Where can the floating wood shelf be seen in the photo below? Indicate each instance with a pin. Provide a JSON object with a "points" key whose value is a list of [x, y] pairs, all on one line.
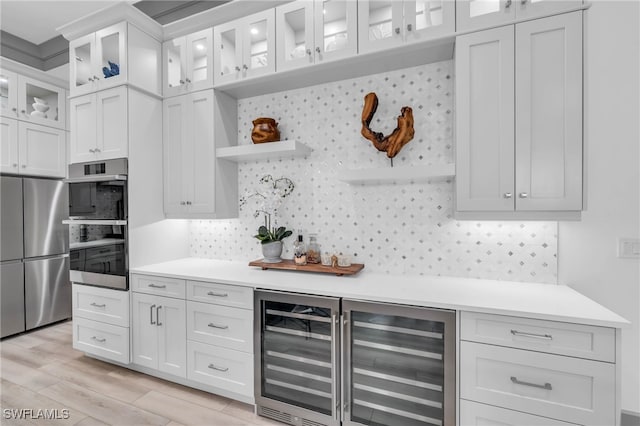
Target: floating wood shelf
{"points": [[288, 265], [397, 174], [281, 149]]}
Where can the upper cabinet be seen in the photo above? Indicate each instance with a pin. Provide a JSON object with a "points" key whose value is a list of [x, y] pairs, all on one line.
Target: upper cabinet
{"points": [[113, 56], [245, 47], [519, 117], [28, 99], [315, 31], [477, 14], [188, 63], [384, 24]]}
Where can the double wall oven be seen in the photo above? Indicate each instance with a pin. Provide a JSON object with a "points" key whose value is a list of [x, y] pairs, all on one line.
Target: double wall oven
{"points": [[98, 223]]}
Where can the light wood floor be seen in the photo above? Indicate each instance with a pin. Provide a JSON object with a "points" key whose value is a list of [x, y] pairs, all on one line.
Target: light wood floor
{"points": [[41, 370]]}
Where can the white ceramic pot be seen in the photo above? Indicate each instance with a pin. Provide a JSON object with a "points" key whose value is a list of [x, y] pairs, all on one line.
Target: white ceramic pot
{"points": [[272, 252]]}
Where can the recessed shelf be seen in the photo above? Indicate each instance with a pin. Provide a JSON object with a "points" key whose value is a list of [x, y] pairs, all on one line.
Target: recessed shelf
{"points": [[281, 149], [397, 174]]}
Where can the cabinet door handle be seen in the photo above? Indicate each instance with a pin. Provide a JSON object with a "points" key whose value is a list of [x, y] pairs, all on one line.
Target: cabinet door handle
{"points": [[98, 339], [507, 4], [211, 293], [92, 151], [507, 195], [151, 321], [158, 315], [309, 52], [546, 386], [523, 1], [213, 367], [237, 68], [397, 30], [14, 109], [409, 27], [245, 67], [181, 81], [90, 79], [188, 80], [535, 336], [221, 327], [182, 203], [23, 111], [15, 164], [188, 203], [98, 306], [96, 78], [157, 286], [97, 150], [24, 166], [318, 49], [523, 195]]}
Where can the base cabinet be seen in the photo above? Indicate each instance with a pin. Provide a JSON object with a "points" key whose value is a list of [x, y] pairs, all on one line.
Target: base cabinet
{"points": [[475, 414]]}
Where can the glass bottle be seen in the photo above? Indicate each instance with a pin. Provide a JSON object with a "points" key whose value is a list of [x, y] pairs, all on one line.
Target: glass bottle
{"points": [[299, 252], [313, 250]]}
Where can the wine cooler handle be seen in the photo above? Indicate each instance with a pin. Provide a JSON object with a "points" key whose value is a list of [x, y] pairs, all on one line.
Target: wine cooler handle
{"points": [[336, 368], [343, 368]]}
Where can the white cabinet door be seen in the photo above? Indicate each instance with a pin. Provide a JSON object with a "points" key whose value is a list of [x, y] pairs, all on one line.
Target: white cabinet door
{"points": [[227, 65], [8, 94], [200, 152], [485, 120], [258, 34], [533, 8], [112, 123], [294, 39], [199, 60], [82, 54], [41, 103], [380, 24], [336, 29], [9, 146], [174, 72], [111, 48], [174, 139], [144, 330], [475, 414], [42, 150], [82, 129], [475, 14], [172, 336], [549, 113], [427, 19]]}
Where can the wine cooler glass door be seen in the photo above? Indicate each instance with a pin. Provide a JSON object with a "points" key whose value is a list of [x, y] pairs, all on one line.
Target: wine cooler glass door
{"points": [[299, 353], [399, 365]]}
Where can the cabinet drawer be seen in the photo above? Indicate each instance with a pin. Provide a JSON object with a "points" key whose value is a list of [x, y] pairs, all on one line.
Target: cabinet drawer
{"points": [[222, 368], [105, 340], [582, 341], [161, 286], [220, 294], [220, 326], [474, 414], [564, 388], [100, 304]]}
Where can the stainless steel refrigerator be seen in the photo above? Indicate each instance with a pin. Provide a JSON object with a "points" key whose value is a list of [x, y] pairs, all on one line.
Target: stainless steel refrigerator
{"points": [[34, 256]]}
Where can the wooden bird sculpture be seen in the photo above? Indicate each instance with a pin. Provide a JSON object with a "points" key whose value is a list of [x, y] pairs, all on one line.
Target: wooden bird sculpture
{"points": [[401, 135]]}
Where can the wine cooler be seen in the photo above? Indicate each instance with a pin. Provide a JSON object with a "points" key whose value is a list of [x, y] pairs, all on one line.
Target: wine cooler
{"points": [[329, 361]]}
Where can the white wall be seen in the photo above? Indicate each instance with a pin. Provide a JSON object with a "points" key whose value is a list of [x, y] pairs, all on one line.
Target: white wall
{"points": [[587, 249]]}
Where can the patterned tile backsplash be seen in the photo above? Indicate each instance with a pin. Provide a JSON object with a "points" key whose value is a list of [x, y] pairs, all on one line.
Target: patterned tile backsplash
{"points": [[393, 228]]}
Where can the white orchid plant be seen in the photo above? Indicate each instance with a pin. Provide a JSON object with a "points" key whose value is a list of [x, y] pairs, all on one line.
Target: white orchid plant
{"points": [[268, 201]]}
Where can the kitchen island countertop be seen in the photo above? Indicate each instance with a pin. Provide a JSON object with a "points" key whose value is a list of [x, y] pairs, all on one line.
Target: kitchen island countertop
{"points": [[541, 301]]}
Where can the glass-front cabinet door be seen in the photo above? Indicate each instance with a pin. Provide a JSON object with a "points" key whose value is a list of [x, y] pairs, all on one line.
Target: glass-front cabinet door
{"points": [[297, 362], [473, 14], [199, 60], [41, 102], [295, 43], [399, 365], [111, 63], [380, 24], [428, 18], [81, 59], [8, 93], [259, 44], [175, 73], [336, 23], [228, 52]]}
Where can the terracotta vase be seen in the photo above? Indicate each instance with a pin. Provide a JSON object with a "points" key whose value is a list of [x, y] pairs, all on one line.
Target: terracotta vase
{"points": [[265, 130]]}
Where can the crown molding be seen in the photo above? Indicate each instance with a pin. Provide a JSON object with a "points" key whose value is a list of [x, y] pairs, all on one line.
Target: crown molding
{"points": [[108, 16], [26, 70]]}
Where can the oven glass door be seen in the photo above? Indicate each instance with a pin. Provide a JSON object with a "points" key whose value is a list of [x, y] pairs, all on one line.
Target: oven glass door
{"points": [[98, 200]]}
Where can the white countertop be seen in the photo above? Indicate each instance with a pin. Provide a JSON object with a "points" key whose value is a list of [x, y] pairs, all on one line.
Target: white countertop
{"points": [[542, 301]]}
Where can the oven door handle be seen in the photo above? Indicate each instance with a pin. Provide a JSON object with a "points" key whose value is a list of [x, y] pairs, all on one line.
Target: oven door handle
{"points": [[95, 178], [93, 222]]}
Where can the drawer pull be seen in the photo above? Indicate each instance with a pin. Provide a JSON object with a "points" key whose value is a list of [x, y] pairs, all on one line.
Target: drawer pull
{"points": [[98, 340], [546, 386], [98, 306], [222, 327], [211, 293], [157, 286], [535, 336], [213, 367]]}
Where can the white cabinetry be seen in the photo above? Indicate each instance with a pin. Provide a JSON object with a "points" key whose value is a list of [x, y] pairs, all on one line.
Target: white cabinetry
{"points": [[245, 47], [101, 322], [315, 31], [519, 117], [391, 23], [530, 366], [188, 63], [99, 125], [195, 183], [159, 333], [31, 149], [135, 54], [8, 93], [473, 14]]}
